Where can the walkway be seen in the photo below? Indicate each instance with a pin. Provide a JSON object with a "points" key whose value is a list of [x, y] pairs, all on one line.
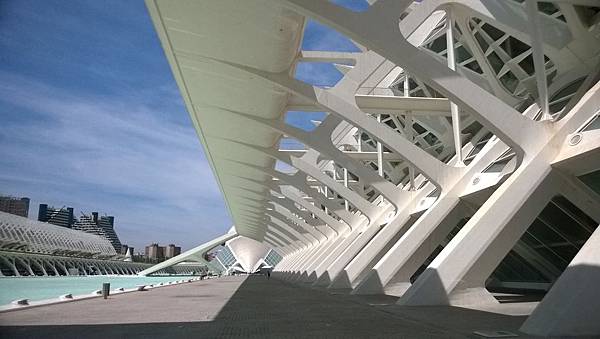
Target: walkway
{"points": [[252, 307]]}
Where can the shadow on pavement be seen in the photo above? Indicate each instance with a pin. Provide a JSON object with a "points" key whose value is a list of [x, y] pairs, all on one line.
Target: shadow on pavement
{"points": [[259, 308]]}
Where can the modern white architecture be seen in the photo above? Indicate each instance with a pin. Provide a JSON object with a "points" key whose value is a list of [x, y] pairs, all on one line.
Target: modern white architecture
{"points": [[30, 248], [457, 156]]}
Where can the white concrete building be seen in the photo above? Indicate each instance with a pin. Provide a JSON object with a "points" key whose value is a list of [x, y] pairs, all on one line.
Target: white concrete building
{"points": [[457, 158], [33, 248]]}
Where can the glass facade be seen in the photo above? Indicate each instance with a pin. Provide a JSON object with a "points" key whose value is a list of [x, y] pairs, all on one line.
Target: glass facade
{"points": [[547, 247], [273, 258], [226, 256]]}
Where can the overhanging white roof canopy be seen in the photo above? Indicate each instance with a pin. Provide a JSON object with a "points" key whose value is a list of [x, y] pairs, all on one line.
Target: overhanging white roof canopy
{"points": [[193, 35]]}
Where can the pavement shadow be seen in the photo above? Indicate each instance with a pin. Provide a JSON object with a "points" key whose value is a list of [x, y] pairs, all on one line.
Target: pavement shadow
{"points": [[259, 308]]}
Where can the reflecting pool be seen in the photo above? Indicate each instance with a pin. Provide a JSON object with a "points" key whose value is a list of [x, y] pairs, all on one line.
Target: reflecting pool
{"points": [[39, 288]]}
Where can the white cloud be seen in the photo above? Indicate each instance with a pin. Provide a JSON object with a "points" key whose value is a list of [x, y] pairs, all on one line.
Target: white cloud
{"points": [[131, 155]]}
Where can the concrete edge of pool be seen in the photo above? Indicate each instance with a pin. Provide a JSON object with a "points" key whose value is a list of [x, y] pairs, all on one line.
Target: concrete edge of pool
{"points": [[59, 300]]}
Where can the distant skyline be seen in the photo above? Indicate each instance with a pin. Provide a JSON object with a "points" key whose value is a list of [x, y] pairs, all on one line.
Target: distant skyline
{"points": [[92, 119]]}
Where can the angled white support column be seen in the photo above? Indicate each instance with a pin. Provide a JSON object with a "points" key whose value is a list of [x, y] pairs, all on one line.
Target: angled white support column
{"points": [[309, 272], [288, 231], [306, 257], [537, 48], [380, 23], [408, 129], [285, 253], [320, 140], [304, 269], [291, 227], [311, 257], [298, 182], [331, 266], [381, 240], [293, 213], [283, 236], [286, 261], [280, 240], [483, 242], [338, 101], [293, 259], [363, 261], [284, 273], [411, 262], [456, 130], [457, 275], [333, 255], [581, 157], [438, 172], [346, 185], [315, 223], [314, 257], [301, 255], [282, 214], [379, 152], [286, 250], [350, 251], [400, 254], [338, 227], [383, 271]]}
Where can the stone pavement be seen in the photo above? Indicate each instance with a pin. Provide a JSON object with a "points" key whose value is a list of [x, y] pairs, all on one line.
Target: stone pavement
{"points": [[246, 307]]}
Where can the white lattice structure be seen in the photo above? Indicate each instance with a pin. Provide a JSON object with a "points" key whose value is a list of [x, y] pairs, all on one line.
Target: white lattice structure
{"points": [[458, 155], [33, 248], [25, 235]]}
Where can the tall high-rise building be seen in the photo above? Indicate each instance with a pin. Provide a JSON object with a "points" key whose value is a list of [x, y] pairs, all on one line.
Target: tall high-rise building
{"points": [[57, 216], [149, 250], [154, 251], [172, 251], [13, 205], [102, 226], [107, 224]]}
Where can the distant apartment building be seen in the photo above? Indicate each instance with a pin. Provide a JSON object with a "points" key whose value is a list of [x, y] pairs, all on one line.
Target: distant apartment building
{"points": [[13, 205], [156, 252], [172, 251], [57, 216], [102, 226]]}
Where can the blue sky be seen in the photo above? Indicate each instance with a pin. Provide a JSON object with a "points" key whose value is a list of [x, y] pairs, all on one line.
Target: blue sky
{"points": [[91, 118]]}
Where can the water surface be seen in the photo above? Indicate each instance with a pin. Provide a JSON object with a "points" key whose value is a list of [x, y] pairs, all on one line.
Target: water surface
{"points": [[39, 288]]}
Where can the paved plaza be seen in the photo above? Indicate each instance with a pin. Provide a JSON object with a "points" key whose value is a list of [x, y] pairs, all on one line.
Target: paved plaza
{"points": [[247, 307]]}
